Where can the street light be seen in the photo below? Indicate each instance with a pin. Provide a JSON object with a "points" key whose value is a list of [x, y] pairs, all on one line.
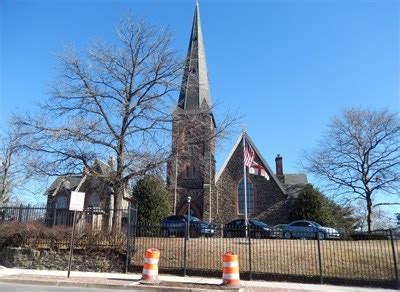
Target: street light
{"points": [[188, 217]]}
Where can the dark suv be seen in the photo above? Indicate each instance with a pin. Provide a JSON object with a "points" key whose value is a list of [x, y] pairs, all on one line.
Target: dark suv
{"points": [[256, 229], [177, 225]]}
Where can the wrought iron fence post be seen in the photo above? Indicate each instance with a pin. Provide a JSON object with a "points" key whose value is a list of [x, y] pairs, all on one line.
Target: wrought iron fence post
{"points": [[92, 218], [54, 214], [128, 239], [185, 251], [321, 279], [396, 271], [20, 213], [250, 268], [28, 208], [3, 214]]}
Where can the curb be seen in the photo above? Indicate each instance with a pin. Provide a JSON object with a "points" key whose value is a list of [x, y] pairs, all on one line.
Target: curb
{"points": [[131, 286]]}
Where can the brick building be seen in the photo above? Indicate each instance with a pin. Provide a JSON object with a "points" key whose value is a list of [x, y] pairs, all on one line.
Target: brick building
{"points": [[191, 170]]}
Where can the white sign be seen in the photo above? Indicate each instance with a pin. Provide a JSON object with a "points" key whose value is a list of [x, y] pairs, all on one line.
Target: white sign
{"points": [[77, 201]]}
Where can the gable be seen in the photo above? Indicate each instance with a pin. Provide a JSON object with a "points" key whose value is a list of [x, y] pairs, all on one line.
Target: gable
{"points": [[69, 182], [259, 158]]}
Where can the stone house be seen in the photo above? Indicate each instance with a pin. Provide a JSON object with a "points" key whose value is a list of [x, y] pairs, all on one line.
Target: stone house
{"points": [[99, 199], [191, 169]]}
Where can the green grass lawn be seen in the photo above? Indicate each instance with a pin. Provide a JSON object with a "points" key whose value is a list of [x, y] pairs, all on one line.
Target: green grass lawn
{"points": [[371, 259]]}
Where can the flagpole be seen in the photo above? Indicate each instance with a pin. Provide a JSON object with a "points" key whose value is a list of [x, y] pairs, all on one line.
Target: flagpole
{"points": [[245, 184], [176, 170]]}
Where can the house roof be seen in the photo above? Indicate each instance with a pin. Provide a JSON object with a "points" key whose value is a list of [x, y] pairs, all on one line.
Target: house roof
{"points": [[69, 182], [103, 167], [264, 162]]}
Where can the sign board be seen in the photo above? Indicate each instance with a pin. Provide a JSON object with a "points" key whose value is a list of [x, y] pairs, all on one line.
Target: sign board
{"points": [[77, 201]]}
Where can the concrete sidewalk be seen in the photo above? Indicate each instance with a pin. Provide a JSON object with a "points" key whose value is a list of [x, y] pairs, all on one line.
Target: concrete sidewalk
{"points": [[168, 282]]}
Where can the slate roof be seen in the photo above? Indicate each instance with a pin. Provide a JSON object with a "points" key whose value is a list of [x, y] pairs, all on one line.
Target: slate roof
{"points": [[73, 182], [195, 89], [103, 167], [295, 179], [294, 183]]}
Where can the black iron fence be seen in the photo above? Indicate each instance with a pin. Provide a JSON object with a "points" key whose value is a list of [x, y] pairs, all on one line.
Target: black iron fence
{"points": [[369, 259], [316, 256], [94, 217], [50, 228]]}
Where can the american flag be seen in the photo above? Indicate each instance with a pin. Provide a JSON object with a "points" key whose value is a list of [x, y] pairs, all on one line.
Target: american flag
{"points": [[249, 155]]}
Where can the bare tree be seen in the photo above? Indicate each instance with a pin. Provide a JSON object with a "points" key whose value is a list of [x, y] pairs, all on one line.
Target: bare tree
{"points": [[10, 172], [113, 101], [359, 157]]}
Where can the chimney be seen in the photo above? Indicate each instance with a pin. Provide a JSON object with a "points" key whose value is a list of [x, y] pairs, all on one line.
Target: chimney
{"points": [[279, 165]]}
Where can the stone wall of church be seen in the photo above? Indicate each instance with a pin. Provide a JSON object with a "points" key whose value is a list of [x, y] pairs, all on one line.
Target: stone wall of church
{"points": [[270, 202]]}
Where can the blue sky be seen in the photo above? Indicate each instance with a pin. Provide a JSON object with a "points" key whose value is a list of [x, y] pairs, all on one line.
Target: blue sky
{"points": [[287, 65]]}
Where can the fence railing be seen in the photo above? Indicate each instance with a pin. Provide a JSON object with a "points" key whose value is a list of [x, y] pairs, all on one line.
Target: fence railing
{"points": [[315, 257], [93, 217]]}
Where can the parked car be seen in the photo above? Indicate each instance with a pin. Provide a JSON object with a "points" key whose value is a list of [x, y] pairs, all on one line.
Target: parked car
{"points": [[177, 225], [278, 230], [256, 229], [308, 229]]}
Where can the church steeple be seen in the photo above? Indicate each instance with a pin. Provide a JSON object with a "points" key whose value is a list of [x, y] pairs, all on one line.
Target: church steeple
{"points": [[195, 89]]}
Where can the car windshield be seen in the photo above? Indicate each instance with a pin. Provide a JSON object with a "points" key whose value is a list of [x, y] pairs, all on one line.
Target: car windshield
{"points": [[192, 218], [316, 224], [259, 223]]}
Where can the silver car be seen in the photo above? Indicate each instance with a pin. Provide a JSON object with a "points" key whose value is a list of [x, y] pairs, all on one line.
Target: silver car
{"points": [[308, 229]]}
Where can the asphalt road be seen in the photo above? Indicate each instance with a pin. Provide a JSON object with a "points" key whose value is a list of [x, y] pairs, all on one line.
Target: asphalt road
{"points": [[9, 287]]}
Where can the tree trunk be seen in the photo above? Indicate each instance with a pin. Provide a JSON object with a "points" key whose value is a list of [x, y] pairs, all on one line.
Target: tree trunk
{"points": [[118, 197], [369, 212]]}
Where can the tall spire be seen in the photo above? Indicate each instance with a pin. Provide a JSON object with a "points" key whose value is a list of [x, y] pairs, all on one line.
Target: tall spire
{"points": [[195, 90]]}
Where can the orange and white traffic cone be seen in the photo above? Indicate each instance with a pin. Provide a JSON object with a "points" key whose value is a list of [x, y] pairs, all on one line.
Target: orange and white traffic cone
{"points": [[230, 274], [150, 267]]}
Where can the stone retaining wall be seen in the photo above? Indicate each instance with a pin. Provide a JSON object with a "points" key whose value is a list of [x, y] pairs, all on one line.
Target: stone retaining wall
{"points": [[27, 258]]}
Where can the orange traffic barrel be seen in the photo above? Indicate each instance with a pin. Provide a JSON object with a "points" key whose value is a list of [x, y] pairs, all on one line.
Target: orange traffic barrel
{"points": [[230, 273], [150, 266]]}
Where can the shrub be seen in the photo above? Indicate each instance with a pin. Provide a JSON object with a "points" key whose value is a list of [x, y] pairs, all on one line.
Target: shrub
{"points": [[40, 236]]}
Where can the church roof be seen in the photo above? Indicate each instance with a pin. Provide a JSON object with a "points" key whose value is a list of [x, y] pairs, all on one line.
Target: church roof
{"points": [[264, 162], [295, 179], [195, 89]]}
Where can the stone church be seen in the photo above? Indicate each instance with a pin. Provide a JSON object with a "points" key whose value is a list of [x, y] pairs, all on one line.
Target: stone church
{"points": [[218, 197]]}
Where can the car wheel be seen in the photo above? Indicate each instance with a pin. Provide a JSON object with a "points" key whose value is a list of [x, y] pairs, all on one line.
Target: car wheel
{"points": [[287, 235], [228, 234], [257, 235], [194, 233], [321, 235], [164, 233]]}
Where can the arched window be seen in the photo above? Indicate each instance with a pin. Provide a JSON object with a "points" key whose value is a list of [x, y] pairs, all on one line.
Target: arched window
{"points": [[250, 197], [187, 171], [194, 173]]}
